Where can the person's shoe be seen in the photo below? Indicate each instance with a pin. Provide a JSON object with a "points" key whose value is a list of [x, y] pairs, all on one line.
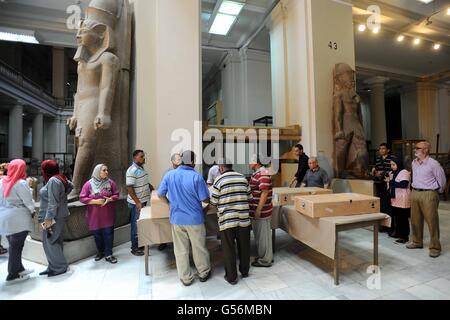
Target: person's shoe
{"points": [[44, 273], [137, 252], [99, 257], [111, 259], [394, 235], [402, 241], [383, 229], [18, 279], [52, 274], [3, 251], [245, 275], [257, 264], [233, 283], [187, 284], [206, 278], [26, 272], [434, 254], [162, 246], [412, 246], [141, 248]]}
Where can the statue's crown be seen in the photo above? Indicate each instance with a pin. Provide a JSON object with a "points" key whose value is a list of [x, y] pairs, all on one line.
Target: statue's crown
{"points": [[103, 11]]}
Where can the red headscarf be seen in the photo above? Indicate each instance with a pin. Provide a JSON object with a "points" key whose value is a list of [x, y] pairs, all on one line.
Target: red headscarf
{"points": [[50, 169], [17, 170]]}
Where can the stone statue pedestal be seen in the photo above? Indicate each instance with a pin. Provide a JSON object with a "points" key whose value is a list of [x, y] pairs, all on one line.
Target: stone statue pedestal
{"points": [[79, 243]]}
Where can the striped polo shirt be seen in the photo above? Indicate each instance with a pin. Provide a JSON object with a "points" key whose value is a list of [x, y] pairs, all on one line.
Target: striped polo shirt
{"points": [[384, 164], [231, 194], [139, 179], [261, 181]]}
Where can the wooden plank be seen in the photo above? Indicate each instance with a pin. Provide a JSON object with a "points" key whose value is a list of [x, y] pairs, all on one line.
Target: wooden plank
{"points": [[286, 196]]}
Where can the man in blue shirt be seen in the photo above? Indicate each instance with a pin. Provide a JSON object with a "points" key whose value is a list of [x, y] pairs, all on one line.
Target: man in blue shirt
{"points": [[187, 190]]}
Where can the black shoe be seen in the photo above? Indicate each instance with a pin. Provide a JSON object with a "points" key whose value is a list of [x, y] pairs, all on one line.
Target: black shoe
{"points": [[52, 274], [256, 264], [233, 283], [206, 278], [162, 246], [402, 241], [44, 273], [137, 252], [3, 250], [111, 259], [187, 284], [245, 275], [99, 257]]}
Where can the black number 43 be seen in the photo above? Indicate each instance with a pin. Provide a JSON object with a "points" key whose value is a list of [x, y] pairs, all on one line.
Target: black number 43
{"points": [[333, 45]]}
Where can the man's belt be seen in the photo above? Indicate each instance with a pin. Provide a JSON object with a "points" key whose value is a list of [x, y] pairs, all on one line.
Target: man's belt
{"points": [[424, 190]]}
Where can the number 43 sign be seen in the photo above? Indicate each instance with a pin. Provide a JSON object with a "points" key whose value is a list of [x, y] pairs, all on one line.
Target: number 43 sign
{"points": [[333, 45]]}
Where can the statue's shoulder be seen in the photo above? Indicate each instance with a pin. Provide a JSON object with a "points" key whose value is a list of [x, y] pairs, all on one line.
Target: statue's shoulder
{"points": [[110, 58]]}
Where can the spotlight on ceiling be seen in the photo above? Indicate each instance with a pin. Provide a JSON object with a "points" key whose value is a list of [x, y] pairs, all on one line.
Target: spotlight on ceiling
{"points": [[362, 27], [436, 46], [376, 30], [417, 41], [400, 38], [448, 11]]}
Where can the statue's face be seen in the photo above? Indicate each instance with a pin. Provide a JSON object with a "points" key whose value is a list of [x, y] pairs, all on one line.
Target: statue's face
{"points": [[347, 79], [87, 37]]}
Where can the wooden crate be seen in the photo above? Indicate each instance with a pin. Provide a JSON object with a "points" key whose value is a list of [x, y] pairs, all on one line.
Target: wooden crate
{"points": [[160, 207], [339, 204], [285, 196]]}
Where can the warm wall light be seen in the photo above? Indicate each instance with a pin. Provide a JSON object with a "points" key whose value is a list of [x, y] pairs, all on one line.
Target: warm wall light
{"points": [[448, 11], [400, 38], [362, 28], [416, 41], [376, 30], [437, 46]]}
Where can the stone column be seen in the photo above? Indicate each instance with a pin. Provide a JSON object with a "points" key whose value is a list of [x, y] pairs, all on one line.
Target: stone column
{"points": [[59, 78], [38, 137], [15, 134], [428, 111], [378, 110]]}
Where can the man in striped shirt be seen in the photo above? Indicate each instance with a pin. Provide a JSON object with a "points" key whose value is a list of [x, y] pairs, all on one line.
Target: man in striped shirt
{"points": [[261, 212], [231, 194], [139, 189]]}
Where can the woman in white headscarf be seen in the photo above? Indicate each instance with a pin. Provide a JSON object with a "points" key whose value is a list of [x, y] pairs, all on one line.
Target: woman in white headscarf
{"points": [[98, 194]]}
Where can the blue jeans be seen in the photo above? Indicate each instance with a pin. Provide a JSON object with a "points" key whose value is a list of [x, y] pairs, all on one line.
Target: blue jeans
{"points": [[104, 239], [134, 232]]}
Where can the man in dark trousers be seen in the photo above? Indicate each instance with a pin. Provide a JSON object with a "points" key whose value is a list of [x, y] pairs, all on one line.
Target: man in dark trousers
{"points": [[302, 165]]}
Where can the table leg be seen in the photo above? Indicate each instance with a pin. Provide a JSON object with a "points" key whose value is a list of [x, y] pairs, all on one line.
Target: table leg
{"points": [[146, 250], [336, 260], [376, 229], [274, 236]]}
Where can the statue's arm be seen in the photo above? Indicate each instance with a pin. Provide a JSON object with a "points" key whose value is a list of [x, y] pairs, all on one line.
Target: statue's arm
{"points": [[73, 122], [338, 112], [108, 84]]}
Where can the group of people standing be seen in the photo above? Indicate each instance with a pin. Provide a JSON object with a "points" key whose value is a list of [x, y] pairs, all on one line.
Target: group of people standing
{"points": [[414, 195]]}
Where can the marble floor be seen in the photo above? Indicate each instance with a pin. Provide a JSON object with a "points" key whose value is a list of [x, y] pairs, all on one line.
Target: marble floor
{"points": [[299, 273]]}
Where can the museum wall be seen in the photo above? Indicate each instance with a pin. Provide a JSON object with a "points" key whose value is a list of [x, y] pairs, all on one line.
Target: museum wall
{"points": [[410, 122], [167, 77]]}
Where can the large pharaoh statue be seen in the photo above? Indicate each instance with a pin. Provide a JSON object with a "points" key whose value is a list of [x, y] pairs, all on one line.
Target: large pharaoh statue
{"points": [[101, 110], [351, 156]]}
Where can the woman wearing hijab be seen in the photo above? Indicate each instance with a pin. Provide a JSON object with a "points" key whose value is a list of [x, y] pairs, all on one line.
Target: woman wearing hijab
{"points": [[16, 211], [3, 173], [399, 186], [98, 194], [53, 215]]}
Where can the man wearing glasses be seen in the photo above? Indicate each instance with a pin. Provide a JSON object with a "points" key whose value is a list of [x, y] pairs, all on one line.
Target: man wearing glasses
{"points": [[428, 181]]}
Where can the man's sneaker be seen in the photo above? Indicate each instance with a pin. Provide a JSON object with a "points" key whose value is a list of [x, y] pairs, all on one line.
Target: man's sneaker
{"points": [[111, 259], [99, 257], [18, 279], [233, 283], [434, 254], [257, 264], [412, 245], [137, 252], [187, 284], [26, 272], [206, 278]]}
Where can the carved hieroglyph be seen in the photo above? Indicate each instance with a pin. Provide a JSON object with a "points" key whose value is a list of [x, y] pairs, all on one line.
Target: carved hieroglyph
{"points": [[101, 110], [350, 148]]}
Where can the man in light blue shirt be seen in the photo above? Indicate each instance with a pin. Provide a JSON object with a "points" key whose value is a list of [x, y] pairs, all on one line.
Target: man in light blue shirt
{"points": [[187, 191]]}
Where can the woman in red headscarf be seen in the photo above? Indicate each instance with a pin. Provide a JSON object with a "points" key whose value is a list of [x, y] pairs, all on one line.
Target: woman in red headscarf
{"points": [[3, 173], [16, 211], [53, 215]]}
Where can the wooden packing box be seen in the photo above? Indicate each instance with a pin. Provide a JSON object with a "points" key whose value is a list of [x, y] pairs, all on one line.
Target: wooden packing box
{"points": [[334, 205], [160, 207], [285, 196]]}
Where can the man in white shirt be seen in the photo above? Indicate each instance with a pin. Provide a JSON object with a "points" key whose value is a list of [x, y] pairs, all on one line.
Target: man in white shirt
{"points": [[213, 174]]}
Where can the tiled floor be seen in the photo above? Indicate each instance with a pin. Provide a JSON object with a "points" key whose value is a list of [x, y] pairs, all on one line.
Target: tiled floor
{"points": [[299, 273]]}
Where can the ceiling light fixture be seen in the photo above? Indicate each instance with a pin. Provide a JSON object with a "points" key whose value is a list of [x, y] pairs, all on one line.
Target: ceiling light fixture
{"points": [[400, 38], [437, 46], [417, 41], [362, 27], [376, 30], [226, 17], [448, 11], [425, 1], [18, 35]]}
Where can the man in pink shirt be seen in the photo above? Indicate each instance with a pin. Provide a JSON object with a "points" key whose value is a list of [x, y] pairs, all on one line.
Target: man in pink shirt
{"points": [[428, 181]]}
